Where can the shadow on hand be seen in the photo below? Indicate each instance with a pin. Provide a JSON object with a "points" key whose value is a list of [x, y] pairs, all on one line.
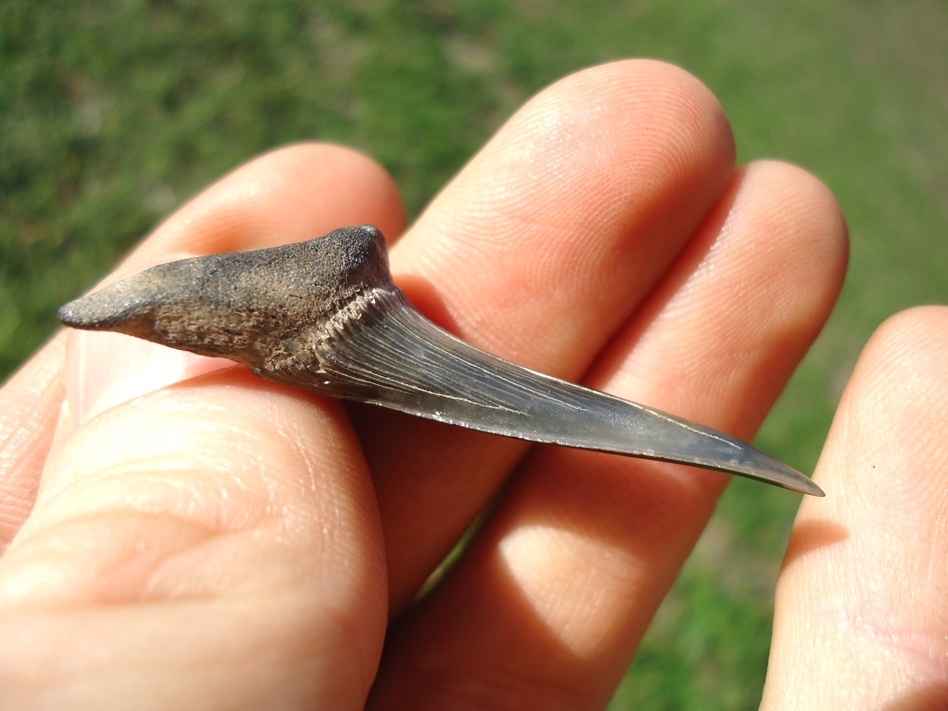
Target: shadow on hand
{"points": [[811, 535]]}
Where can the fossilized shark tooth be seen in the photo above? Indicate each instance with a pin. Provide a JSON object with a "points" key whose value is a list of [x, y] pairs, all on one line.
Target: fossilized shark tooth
{"points": [[324, 315]]}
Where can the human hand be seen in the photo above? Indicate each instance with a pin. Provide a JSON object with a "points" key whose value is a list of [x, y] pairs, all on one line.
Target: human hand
{"points": [[203, 537]]}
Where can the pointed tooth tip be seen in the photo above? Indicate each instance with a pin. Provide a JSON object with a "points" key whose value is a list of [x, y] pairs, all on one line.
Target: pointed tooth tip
{"points": [[790, 478], [793, 480], [808, 486]]}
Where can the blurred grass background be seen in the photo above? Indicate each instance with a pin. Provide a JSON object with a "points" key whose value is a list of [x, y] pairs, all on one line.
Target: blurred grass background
{"points": [[114, 112]]}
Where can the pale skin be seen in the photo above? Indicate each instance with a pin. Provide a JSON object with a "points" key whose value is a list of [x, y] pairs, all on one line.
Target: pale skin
{"points": [[178, 534]]}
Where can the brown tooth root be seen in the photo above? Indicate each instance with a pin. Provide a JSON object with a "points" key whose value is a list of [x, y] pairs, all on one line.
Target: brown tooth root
{"points": [[324, 315]]}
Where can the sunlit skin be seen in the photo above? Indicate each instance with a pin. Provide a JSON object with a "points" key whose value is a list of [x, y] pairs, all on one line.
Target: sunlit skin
{"points": [[179, 533]]}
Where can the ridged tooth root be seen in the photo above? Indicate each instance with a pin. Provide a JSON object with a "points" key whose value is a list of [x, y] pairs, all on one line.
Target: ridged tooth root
{"points": [[324, 315]]}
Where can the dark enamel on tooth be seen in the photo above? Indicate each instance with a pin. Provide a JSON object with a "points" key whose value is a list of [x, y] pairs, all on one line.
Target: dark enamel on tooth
{"points": [[324, 315]]}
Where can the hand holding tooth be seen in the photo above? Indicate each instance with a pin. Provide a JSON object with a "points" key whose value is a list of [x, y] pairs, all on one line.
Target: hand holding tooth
{"points": [[212, 543], [324, 315]]}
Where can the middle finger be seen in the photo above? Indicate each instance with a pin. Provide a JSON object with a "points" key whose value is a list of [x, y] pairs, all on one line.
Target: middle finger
{"points": [[538, 252]]}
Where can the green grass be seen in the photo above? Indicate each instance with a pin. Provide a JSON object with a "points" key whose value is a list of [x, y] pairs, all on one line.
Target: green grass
{"points": [[113, 113]]}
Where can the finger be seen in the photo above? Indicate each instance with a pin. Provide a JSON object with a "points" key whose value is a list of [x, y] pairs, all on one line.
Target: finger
{"points": [[561, 583], [202, 500], [30, 402], [861, 619], [538, 252], [317, 188]]}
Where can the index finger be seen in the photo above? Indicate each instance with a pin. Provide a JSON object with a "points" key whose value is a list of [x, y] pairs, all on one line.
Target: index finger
{"points": [[316, 187]]}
